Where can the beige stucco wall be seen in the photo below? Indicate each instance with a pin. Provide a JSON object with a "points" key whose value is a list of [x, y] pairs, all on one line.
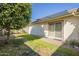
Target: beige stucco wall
{"points": [[71, 28], [39, 29]]}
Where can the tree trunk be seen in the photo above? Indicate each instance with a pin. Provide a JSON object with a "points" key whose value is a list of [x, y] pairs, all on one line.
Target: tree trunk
{"points": [[3, 32], [8, 34]]}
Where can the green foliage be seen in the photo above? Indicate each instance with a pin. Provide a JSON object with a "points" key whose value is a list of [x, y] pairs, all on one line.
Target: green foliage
{"points": [[66, 52], [14, 15], [74, 43]]}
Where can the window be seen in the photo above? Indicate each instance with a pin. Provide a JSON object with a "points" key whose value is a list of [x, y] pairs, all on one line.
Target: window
{"points": [[51, 27], [58, 26], [55, 30]]}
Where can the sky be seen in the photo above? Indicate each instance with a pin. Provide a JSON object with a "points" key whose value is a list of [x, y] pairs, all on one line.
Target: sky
{"points": [[40, 10]]}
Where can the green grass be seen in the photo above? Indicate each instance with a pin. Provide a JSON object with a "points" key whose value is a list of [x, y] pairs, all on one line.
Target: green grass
{"points": [[45, 48], [25, 44], [66, 52], [38, 45]]}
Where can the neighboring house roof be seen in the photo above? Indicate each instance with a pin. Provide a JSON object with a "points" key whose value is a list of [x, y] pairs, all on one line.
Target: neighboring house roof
{"points": [[59, 14]]}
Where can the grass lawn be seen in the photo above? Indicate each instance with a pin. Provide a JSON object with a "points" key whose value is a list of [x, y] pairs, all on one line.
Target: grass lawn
{"points": [[44, 48], [66, 52], [30, 45], [39, 46]]}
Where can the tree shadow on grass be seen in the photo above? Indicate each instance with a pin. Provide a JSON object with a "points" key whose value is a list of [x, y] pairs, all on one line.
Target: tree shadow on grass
{"points": [[17, 51], [29, 37], [16, 47]]}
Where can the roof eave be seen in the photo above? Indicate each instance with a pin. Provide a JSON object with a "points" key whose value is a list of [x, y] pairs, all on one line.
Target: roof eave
{"points": [[57, 18]]}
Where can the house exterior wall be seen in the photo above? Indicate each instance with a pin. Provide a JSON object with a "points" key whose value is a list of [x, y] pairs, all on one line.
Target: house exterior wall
{"points": [[71, 28], [38, 29]]}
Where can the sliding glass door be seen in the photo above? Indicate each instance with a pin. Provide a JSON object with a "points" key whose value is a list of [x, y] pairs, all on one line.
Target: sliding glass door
{"points": [[51, 30], [58, 30], [55, 30]]}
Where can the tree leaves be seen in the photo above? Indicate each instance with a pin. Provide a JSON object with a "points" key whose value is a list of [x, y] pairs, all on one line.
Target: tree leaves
{"points": [[15, 15]]}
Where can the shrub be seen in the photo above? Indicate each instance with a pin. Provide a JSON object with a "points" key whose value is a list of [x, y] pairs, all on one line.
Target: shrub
{"points": [[74, 43]]}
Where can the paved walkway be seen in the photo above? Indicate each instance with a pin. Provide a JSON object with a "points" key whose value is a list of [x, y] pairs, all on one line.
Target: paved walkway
{"points": [[53, 41]]}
